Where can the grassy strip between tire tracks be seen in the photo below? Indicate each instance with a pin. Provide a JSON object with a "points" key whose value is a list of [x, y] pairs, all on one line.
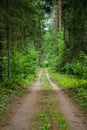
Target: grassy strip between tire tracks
{"points": [[48, 117]]}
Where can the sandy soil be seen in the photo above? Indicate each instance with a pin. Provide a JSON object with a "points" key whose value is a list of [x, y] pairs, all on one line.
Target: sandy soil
{"points": [[71, 112], [22, 115]]}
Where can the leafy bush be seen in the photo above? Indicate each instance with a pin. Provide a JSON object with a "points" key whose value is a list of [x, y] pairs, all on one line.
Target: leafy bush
{"points": [[46, 63], [78, 67], [25, 64], [22, 64], [61, 59]]}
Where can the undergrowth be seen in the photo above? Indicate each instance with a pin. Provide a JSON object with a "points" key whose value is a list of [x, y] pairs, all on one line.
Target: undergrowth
{"points": [[10, 90], [76, 86]]}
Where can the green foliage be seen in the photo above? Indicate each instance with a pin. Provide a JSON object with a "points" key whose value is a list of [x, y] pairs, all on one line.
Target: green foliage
{"points": [[61, 59], [24, 23], [76, 86], [44, 119], [68, 81], [70, 59], [25, 64], [46, 63], [78, 67], [55, 62], [58, 118]]}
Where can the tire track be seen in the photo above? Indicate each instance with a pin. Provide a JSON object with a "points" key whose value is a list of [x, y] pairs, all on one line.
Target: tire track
{"points": [[74, 117], [22, 120]]}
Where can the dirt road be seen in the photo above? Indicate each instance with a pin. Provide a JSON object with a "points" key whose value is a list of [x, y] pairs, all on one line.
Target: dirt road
{"points": [[73, 115], [23, 115]]}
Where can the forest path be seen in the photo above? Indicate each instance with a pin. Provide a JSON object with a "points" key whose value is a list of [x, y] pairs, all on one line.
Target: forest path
{"points": [[71, 112], [24, 113]]}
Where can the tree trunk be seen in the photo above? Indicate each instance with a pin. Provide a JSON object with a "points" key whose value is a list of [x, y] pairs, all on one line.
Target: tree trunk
{"points": [[85, 26], [8, 40], [1, 68], [57, 26]]}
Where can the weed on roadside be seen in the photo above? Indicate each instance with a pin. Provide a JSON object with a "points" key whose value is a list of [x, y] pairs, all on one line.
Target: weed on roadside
{"points": [[76, 87]]}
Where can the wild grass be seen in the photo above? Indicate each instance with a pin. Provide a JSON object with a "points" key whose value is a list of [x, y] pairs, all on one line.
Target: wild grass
{"points": [[77, 87]]}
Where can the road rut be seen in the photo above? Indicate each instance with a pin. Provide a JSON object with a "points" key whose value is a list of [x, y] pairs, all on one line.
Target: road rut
{"points": [[24, 115], [22, 120], [74, 116]]}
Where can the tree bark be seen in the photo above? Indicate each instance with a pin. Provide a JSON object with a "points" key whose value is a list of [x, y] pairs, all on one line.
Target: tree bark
{"points": [[56, 26], [8, 40], [1, 49]]}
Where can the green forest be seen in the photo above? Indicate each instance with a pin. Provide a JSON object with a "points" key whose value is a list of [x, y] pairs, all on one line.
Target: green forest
{"points": [[43, 34]]}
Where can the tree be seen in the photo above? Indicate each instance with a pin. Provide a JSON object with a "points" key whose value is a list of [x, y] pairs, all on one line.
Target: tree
{"points": [[22, 22]]}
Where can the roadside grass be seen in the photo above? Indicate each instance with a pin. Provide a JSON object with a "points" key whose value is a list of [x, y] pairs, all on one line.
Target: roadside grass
{"points": [[48, 116], [75, 86], [11, 90]]}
